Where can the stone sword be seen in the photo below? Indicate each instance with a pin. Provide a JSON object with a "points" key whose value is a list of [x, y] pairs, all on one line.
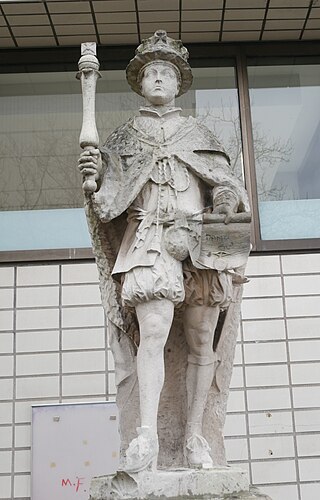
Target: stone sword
{"points": [[88, 75]]}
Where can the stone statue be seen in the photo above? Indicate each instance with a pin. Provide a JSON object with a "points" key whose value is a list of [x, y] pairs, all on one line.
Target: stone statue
{"points": [[170, 231]]}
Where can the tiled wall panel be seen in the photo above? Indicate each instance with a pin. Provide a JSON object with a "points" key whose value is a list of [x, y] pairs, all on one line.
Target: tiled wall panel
{"points": [[53, 348]]}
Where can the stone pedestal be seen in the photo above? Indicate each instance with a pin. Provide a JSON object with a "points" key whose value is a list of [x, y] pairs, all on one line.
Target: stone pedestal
{"points": [[212, 484]]}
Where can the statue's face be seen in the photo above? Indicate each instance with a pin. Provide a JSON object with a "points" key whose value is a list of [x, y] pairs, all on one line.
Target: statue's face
{"points": [[159, 84]]}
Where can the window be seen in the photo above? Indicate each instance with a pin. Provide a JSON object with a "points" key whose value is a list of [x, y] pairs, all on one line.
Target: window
{"points": [[274, 139], [41, 202], [285, 108]]}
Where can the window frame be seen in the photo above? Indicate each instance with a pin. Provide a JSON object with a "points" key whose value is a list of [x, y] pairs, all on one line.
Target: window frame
{"points": [[201, 55]]}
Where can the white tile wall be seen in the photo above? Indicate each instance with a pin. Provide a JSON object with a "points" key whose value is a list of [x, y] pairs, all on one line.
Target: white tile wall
{"points": [[305, 373], [303, 328], [262, 308], [6, 389], [308, 444], [5, 487], [263, 287], [265, 265], [268, 399], [6, 320], [22, 486], [307, 350], [58, 354], [271, 422], [309, 469], [236, 449], [303, 306], [267, 375], [79, 273], [283, 491], [272, 447], [81, 294], [38, 296], [265, 353], [6, 366], [37, 341], [236, 401], [93, 361], [84, 385], [310, 491], [6, 276], [5, 461], [22, 460], [307, 420], [22, 436], [304, 397], [6, 298], [37, 275], [29, 364], [37, 387], [5, 437], [237, 377], [301, 264], [264, 330], [5, 412], [274, 471], [302, 285], [74, 317], [37, 319], [6, 343], [235, 425]]}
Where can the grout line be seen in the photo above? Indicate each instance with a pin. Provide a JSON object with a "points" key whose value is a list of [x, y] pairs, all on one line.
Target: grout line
{"points": [[290, 384], [137, 20], [8, 25], [306, 19], [51, 23], [222, 20], [60, 333], [246, 406], [14, 382], [94, 19], [264, 20]]}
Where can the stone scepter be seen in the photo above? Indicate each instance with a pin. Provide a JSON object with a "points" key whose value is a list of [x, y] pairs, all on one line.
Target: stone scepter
{"points": [[88, 75]]}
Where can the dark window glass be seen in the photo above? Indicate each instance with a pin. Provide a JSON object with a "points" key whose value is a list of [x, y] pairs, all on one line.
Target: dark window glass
{"points": [[285, 107]]}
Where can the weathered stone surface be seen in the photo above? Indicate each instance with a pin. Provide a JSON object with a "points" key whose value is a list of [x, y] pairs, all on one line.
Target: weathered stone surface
{"points": [[172, 484], [170, 227]]}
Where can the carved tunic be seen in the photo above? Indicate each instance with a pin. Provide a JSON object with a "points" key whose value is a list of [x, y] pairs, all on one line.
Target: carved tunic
{"points": [[172, 192]]}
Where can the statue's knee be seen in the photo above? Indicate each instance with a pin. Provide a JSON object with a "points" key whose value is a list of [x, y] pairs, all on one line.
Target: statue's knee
{"points": [[202, 360]]}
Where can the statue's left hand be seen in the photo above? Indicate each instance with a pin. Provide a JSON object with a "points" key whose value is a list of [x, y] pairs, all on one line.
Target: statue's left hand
{"points": [[224, 209], [226, 203]]}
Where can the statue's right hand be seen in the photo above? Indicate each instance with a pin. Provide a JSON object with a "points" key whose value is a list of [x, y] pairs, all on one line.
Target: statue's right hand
{"points": [[90, 163]]}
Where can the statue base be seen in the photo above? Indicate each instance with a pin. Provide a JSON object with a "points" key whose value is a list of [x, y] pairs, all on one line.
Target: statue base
{"points": [[207, 484]]}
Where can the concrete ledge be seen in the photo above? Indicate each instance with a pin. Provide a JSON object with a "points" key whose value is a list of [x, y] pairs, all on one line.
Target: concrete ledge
{"points": [[218, 484]]}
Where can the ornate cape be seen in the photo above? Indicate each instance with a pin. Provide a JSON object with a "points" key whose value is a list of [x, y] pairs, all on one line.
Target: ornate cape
{"points": [[129, 157]]}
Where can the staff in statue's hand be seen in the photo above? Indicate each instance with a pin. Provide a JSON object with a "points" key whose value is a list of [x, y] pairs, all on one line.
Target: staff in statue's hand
{"points": [[90, 160]]}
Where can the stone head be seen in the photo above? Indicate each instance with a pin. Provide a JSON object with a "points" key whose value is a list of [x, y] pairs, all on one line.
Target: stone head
{"points": [[160, 54]]}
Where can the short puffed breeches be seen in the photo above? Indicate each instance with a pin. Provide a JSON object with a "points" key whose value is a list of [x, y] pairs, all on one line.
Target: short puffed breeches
{"points": [[178, 282]]}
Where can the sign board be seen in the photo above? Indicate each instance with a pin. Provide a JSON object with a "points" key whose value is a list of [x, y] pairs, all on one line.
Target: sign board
{"points": [[71, 443]]}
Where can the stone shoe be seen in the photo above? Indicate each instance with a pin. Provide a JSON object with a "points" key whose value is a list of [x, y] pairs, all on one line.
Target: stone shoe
{"points": [[142, 452], [198, 453]]}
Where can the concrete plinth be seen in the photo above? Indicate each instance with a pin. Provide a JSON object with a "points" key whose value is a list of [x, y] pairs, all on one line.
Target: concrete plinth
{"points": [[218, 484]]}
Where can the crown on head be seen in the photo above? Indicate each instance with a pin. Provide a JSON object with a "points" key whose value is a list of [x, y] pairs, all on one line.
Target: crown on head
{"points": [[160, 47]]}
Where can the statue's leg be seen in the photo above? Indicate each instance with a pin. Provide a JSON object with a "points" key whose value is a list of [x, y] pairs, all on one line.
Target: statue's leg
{"points": [[155, 319], [199, 325]]}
